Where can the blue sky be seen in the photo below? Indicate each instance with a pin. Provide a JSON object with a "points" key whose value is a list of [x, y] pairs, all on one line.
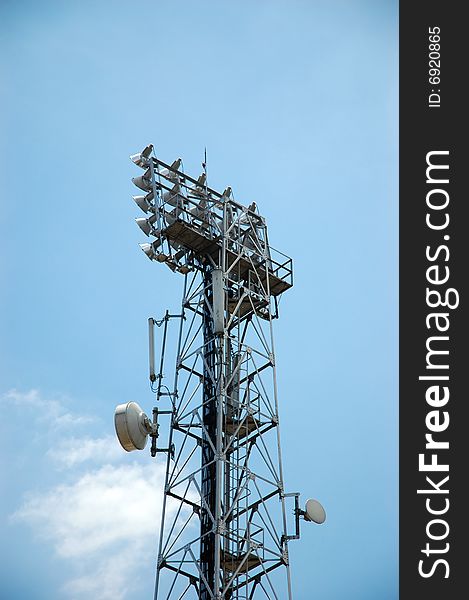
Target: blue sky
{"points": [[297, 105]]}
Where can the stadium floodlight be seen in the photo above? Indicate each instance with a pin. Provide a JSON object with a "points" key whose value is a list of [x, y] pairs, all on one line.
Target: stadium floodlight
{"points": [[141, 158], [150, 249], [144, 202], [173, 197], [169, 173], [143, 181], [200, 211], [147, 225], [199, 188]]}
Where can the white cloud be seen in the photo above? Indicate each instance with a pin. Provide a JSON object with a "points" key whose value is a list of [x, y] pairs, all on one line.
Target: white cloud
{"points": [[74, 451], [102, 507], [112, 579], [51, 412], [103, 523]]}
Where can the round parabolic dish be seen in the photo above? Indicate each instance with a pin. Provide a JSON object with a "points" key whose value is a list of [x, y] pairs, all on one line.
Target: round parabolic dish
{"points": [[129, 420], [315, 511]]}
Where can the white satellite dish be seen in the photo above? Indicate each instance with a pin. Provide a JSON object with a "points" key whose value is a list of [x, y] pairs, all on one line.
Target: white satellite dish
{"points": [[132, 426], [314, 511]]}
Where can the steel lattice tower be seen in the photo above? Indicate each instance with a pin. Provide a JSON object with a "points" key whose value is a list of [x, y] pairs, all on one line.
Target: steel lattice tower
{"points": [[224, 518]]}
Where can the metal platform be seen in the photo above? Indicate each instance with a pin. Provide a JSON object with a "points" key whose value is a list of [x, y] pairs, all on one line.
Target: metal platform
{"points": [[194, 239], [243, 562], [247, 305], [241, 428]]}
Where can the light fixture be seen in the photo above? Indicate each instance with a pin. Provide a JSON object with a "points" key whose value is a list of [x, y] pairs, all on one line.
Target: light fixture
{"points": [[169, 173], [144, 202], [143, 181], [180, 251], [173, 197], [150, 249], [200, 211], [199, 188], [132, 426], [141, 159], [146, 225]]}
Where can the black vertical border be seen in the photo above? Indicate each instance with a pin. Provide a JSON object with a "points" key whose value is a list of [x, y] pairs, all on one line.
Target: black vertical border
{"points": [[423, 129]]}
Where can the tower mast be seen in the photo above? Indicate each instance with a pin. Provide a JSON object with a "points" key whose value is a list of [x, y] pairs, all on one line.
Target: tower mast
{"points": [[223, 531]]}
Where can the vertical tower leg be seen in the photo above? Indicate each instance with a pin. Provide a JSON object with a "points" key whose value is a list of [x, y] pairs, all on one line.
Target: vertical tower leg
{"points": [[209, 412]]}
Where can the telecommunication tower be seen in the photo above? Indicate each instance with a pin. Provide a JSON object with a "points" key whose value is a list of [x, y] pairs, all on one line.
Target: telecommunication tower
{"points": [[224, 523]]}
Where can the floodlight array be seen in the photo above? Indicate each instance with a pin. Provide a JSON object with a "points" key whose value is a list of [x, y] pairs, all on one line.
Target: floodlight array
{"points": [[171, 196], [165, 197]]}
